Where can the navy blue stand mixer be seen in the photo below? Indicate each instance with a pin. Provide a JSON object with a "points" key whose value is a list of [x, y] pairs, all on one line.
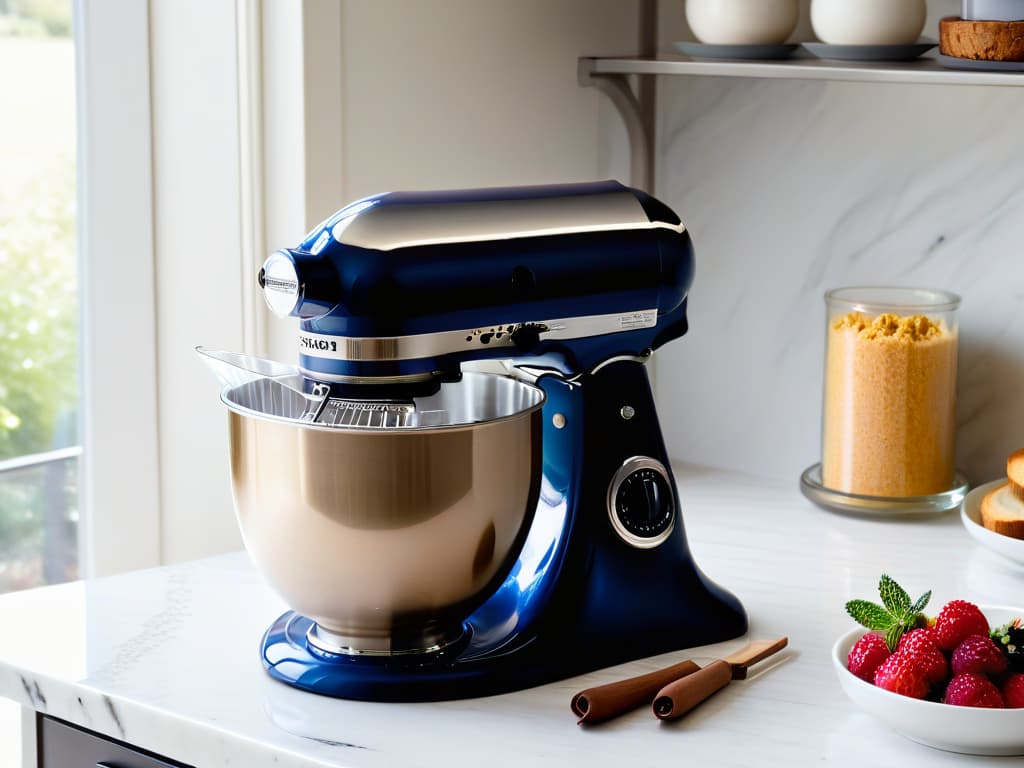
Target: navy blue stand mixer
{"points": [[462, 489]]}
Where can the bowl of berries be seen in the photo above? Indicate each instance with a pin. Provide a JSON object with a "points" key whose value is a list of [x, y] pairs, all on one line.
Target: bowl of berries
{"points": [[954, 681]]}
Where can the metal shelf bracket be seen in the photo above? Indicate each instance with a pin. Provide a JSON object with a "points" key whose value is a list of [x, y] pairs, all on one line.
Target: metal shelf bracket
{"points": [[637, 116]]}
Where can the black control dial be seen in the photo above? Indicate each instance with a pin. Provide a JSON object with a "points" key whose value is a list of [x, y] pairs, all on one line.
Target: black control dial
{"points": [[641, 503]]}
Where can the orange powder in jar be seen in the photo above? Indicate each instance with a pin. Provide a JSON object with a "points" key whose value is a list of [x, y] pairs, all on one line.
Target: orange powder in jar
{"points": [[890, 400]]}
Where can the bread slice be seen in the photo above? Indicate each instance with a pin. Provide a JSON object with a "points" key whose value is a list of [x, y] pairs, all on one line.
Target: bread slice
{"points": [[982, 40], [1002, 512], [1015, 473]]}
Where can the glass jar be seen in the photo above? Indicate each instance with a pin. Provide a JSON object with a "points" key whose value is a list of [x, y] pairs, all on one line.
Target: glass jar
{"points": [[889, 427]]}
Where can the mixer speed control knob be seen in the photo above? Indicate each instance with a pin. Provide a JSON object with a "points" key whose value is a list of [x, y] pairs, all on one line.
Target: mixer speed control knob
{"points": [[641, 503]]}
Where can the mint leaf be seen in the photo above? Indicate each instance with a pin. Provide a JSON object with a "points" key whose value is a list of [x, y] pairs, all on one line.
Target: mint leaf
{"points": [[870, 615], [895, 617], [920, 603], [892, 637], [894, 597]]}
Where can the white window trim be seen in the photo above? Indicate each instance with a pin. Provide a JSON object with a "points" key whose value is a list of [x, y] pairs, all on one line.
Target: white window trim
{"points": [[252, 188], [290, 156], [120, 466]]}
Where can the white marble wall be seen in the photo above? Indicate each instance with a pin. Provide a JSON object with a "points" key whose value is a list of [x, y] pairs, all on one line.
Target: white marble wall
{"points": [[792, 188]]}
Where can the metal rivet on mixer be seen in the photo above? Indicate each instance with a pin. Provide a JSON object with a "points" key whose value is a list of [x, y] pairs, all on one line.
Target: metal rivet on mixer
{"points": [[558, 420], [627, 412]]}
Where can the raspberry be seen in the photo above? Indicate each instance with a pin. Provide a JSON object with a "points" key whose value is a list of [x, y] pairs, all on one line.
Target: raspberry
{"points": [[866, 656], [957, 620], [973, 690], [920, 646], [901, 674], [979, 654], [1013, 691]]}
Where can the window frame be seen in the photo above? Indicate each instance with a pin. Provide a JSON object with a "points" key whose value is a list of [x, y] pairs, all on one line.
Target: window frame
{"points": [[119, 472], [289, 155]]}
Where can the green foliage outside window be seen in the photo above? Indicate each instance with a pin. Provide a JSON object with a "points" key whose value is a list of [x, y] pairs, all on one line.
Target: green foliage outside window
{"points": [[38, 293], [38, 318], [35, 18], [38, 368]]}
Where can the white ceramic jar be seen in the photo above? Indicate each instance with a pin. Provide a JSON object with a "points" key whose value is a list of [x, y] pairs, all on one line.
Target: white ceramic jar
{"points": [[742, 22], [868, 22]]}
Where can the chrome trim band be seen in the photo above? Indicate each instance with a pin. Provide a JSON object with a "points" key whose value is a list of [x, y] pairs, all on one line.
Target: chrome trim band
{"points": [[642, 359], [369, 349], [338, 378], [344, 645], [629, 466]]}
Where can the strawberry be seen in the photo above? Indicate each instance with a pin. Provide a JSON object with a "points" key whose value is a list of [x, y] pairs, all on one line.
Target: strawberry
{"points": [[1013, 691], [919, 635], [977, 653], [957, 620], [866, 656], [901, 674], [973, 690], [919, 645]]}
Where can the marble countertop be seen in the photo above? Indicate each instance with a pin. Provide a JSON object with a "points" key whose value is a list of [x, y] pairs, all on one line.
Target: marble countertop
{"points": [[167, 659]]}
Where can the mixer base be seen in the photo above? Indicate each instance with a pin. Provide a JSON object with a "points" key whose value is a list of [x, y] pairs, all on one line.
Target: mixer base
{"points": [[479, 664], [465, 669]]}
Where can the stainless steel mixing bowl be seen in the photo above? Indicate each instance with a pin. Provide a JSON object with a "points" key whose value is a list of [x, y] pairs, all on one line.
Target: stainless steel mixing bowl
{"points": [[388, 538]]}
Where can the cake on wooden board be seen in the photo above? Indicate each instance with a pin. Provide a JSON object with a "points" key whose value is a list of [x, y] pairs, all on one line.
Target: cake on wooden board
{"points": [[982, 40]]}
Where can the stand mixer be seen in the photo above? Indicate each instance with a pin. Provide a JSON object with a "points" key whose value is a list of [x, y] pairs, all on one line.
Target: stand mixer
{"points": [[462, 488]]}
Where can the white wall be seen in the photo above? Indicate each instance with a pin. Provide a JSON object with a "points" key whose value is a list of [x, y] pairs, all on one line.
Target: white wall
{"points": [[466, 92], [791, 188]]}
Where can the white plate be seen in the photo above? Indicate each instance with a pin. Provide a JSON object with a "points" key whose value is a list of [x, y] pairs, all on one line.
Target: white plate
{"points": [[969, 730], [1010, 548], [954, 62], [752, 52]]}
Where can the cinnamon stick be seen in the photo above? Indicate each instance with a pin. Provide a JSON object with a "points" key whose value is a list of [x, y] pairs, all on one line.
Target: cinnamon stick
{"points": [[603, 702], [679, 697]]}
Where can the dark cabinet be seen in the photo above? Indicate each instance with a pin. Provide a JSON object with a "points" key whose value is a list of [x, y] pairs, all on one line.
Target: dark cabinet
{"points": [[66, 746]]}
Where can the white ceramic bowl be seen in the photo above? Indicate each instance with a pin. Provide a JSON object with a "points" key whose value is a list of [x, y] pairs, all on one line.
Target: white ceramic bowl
{"points": [[969, 730], [970, 515], [868, 22], [742, 22]]}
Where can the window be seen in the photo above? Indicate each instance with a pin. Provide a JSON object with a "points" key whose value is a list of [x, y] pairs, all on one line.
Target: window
{"points": [[39, 393], [38, 296]]}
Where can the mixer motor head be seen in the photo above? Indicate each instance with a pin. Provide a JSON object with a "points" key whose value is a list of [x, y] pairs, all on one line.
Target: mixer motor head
{"points": [[401, 288]]}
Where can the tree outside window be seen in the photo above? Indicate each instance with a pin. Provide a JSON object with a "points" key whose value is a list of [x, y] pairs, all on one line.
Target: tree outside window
{"points": [[38, 296]]}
